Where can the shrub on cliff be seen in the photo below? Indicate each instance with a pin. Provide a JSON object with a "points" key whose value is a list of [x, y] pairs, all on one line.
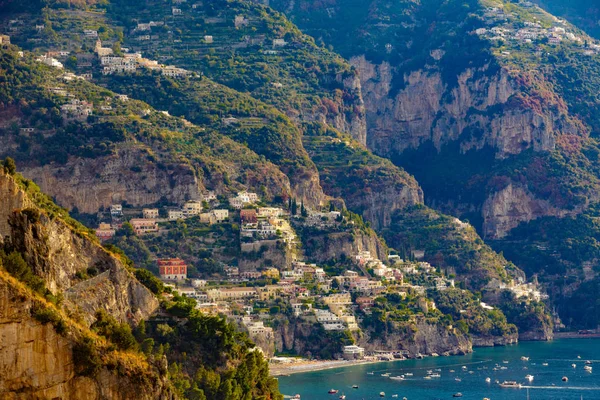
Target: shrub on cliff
{"points": [[9, 166]]}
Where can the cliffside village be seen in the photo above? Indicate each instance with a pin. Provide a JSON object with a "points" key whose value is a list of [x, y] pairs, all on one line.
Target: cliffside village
{"points": [[506, 26], [254, 298]]}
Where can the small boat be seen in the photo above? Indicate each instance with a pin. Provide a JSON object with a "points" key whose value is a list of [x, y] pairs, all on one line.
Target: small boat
{"points": [[545, 364], [574, 365], [370, 373], [464, 367], [343, 397], [510, 385], [505, 362], [430, 371], [296, 397], [458, 379], [435, 375], [427, 377], [394, 395], [457, 394], [587, 368], [397, 378], [381, 394], [333, 391], [588, 362], [408, 374], [354, 386], [523, 358], [565, 379], [529, 378], [451, 370], [487, 380], [386, 375], [578, 356]]}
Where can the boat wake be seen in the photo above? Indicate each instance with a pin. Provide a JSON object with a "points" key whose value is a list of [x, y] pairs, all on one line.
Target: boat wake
{"points": [[561, 387]]}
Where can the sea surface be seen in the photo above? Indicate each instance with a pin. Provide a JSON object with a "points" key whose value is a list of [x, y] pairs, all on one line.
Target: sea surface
{"points": [[546, 385]]}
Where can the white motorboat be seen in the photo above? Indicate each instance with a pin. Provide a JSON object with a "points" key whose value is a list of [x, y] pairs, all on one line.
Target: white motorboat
{"points": [[529, 378], [488, 380], [510, 385]]}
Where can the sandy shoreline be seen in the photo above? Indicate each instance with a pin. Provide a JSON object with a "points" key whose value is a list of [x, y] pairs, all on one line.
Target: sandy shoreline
{"points": [[315, 365]]}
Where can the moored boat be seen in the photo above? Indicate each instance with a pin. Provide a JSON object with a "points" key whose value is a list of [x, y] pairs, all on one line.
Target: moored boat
{"points": [[381, 394], [333, 391], [565, 379], [529, 378], [510, 385], [523, 358], [457, 394], [354, 386], [488, 380]]}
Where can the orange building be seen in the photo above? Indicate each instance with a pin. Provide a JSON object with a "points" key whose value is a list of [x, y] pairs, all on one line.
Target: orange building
{"points": [[172, 269]]}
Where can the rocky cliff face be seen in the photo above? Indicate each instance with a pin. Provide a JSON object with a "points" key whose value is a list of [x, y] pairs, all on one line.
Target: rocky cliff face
{"points": [[36, 362], [491, 341], [60, 256], [421, 337], [507, 208], [321, 248], [380, 205], [426, 109], [354, 120], [486, 108], [92, 183]]}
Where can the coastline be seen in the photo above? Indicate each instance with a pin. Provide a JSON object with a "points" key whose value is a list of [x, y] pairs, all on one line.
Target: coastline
{"points": [[303, 365], [316, 365]]}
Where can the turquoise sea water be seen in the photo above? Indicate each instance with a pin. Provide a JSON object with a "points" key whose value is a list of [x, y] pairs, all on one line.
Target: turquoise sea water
{"points": [[547, 383]]}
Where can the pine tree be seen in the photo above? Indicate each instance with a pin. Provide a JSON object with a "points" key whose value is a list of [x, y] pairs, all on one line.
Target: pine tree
{"points": [[294, 208]]}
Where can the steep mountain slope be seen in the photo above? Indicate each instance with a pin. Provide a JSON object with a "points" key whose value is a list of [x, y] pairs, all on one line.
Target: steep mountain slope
{"points": [[583, 13], [490, 104], [69, 307], [126, 152], [369, 185], [55, 256]]}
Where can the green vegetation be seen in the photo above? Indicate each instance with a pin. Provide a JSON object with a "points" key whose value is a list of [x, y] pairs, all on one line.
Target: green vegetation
{"points": [[208, 357], [583, 13], [466, 312], [449, 244]]}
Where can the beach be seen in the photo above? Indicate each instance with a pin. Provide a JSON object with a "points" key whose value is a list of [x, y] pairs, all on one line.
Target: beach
{"points": [[300, 366]]}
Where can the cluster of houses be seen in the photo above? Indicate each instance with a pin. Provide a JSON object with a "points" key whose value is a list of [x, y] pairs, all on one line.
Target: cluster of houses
{"points": [[77, 109], [338, 297], [50, 61], [261, 223], [128, 63], [503, 25], [148, 223]]}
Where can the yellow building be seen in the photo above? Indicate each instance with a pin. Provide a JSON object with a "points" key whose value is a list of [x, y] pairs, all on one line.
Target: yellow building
{"points": [[271, 273]]}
